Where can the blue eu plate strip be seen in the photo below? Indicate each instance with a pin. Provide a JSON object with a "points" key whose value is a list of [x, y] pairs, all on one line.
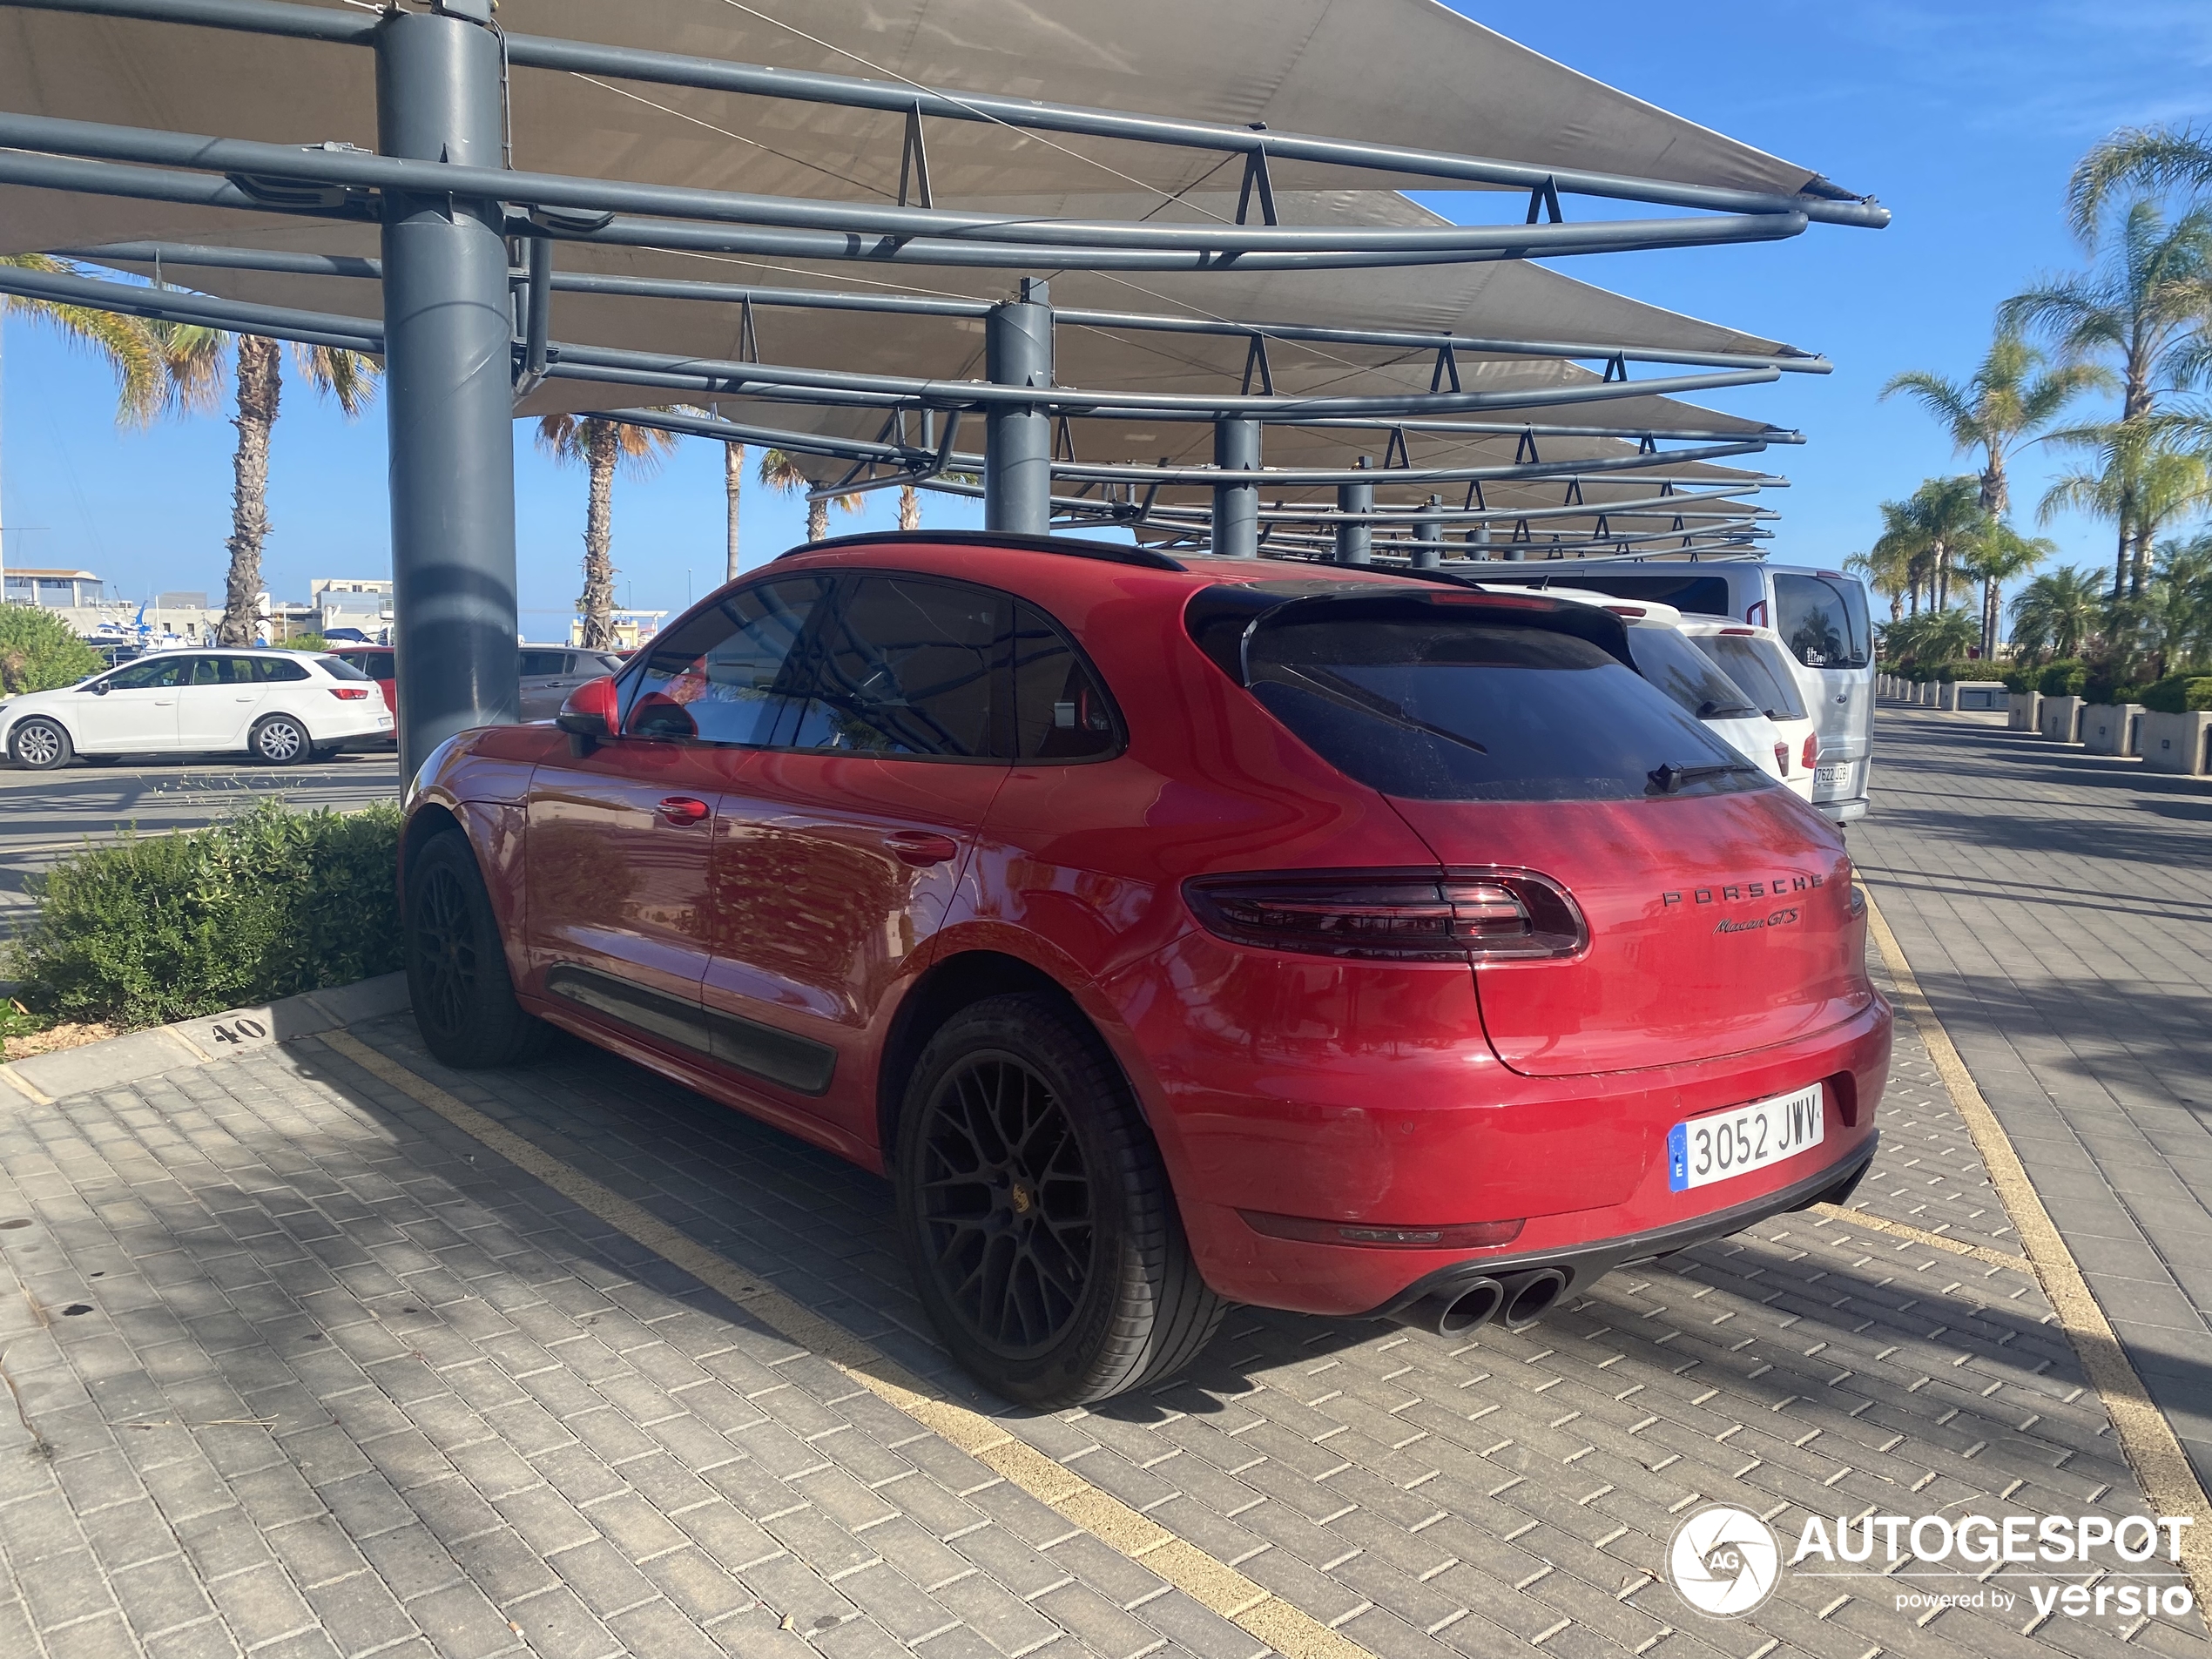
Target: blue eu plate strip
{"points": [[1678, 1157]]}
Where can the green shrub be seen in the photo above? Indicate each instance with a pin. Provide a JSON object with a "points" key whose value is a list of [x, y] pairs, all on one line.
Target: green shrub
{"points": [[2178, 694], [38, 653], [148, 930], [2022, 679], [2064, 678], [307, 642]]}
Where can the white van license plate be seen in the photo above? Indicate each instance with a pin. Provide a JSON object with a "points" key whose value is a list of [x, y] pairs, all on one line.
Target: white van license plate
{"points": [[1742, 1138], [1831, 774]]}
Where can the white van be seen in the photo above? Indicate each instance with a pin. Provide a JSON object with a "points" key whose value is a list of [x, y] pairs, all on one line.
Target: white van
{"points": [[1821, 616]]}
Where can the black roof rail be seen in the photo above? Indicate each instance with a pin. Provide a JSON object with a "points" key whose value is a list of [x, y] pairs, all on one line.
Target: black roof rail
{"points": [[1066, 546]]}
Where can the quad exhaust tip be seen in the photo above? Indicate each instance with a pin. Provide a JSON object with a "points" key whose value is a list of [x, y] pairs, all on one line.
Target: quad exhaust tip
{"points": [[1517, 1299]]}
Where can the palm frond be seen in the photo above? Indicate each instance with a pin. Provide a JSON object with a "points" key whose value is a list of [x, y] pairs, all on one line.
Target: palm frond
{"points": [[2148, 159]]}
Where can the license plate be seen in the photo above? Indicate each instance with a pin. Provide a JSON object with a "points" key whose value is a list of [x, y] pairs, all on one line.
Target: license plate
{"points": [[1742, 1138], [1831, 774]]}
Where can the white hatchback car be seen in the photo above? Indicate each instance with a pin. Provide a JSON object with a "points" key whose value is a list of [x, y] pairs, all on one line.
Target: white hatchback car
{"points": [[1754, 659], [279, 706]]}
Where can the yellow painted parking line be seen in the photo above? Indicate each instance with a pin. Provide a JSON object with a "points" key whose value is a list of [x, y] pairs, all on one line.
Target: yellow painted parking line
{"points": [[1212, 1583], [1922, 1235], [2169, 1479], [36, 1094]]}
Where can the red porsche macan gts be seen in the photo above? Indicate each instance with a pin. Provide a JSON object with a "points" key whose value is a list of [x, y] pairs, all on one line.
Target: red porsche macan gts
{"points": [[1174, 932]]}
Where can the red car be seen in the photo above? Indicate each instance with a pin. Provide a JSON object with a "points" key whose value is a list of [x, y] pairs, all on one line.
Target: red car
{"points": [[375, 661], [1175, 932]]}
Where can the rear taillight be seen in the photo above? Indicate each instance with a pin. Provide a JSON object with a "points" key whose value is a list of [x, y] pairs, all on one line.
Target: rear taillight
{"points": [[1811, 756], [1465, 1235], [1782, 758], [349, 693], [1392, 915]]}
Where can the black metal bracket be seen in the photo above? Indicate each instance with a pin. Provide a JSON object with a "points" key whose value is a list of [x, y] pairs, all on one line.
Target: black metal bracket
{"points": [[1446, 370], [1256, 178], [914, 163], [1545, 197], [1256, 357]]}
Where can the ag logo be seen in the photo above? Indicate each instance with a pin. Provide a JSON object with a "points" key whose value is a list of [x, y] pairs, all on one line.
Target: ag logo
{"points": [[1723, 1561]]}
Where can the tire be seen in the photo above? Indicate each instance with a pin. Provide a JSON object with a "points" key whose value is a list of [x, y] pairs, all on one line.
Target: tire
{"points": [[40, 745], [456, 968], [281, 740], [1046, 1314]]}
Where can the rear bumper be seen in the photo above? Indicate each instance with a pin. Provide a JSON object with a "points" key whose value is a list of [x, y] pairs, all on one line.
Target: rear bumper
{"points": [[1842, 811], [1584, 1264], [1372, 1099]]}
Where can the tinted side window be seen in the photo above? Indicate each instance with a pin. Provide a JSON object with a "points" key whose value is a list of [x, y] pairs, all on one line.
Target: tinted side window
{"points": [[144, 675], [1814, 618], [1706, 596], [1060, 710], [279, 668], [906, 666], [544, 662], [1675, 666], [725, 676], [221, 670]]}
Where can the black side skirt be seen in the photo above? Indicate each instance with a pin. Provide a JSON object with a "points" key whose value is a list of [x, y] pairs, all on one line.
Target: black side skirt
{"points": [[797, 1064]]}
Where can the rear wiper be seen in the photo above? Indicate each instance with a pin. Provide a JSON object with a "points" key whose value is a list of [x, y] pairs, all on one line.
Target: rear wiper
{"points": [[1666, 780], [1346, 694]]}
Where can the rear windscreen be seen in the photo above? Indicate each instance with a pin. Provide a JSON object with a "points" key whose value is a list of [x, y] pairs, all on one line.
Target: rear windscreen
{"points": [[1687, 675], [1822, 619], [1705, 595], [1759, 669], [1452, 709]]}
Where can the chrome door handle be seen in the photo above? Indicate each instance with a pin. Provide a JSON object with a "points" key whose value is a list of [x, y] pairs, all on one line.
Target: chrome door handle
{"points": [[921, 848]]}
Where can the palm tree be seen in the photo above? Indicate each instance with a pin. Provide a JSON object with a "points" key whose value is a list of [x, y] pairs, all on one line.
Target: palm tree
{"points": [[780, 470], [732, 481], [2136, 161], [1941, 636], [2179, 603], [1927, 529], [2146, 307], [909, 508], [2004, 405], [2141, 481], [1901, 554], [1995, 557], [602, 446], [2058, 612], [1887, 571], [197, 358]]}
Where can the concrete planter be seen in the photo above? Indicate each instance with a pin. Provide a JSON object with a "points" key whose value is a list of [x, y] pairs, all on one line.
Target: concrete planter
{"points": [[2025, 710], [1975, 697], [2177, 743], [2110, 728], [2061, 720]]}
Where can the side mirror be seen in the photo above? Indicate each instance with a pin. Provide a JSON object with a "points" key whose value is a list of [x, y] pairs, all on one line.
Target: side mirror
{"points": [[588, 714], [99, 688]]}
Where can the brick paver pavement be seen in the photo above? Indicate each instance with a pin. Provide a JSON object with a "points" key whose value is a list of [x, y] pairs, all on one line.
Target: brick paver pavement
{"points": [[2056, 906], [305, 1371]]}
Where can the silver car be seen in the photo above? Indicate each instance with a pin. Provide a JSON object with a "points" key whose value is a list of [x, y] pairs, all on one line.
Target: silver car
{"points": [[550, 672]]}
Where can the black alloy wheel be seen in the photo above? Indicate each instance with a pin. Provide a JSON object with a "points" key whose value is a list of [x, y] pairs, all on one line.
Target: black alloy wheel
{"points": [[1007, 1202], [1037, 1219], [456, 967]]}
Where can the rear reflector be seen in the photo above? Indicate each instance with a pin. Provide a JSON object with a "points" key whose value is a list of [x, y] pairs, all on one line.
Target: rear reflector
{"points": [[1811, 757], [1465, 1235], [1392, 915], [1782, 758], [349, 693]]}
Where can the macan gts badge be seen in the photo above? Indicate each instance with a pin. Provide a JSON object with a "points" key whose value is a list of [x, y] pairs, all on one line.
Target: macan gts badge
{"points": [[1174, 932]]}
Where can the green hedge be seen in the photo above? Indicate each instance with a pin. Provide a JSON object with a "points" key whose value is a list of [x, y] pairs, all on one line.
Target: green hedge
{"points": [[153, 928], [2067, 678], [2178, 694], [38, 651]]}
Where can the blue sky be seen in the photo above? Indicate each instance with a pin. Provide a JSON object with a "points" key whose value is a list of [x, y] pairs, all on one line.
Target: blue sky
{"points": [[1963, 117]]}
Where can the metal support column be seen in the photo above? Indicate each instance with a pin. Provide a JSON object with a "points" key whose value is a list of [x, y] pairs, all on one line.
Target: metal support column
{"points": [[1356, 537], [1236, 506], [1479, 542], [1429, 527], [447, 374], [1017, 446]]}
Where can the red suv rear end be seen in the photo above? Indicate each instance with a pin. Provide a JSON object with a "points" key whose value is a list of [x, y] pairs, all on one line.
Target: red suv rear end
{"points": [[1175, 933]]}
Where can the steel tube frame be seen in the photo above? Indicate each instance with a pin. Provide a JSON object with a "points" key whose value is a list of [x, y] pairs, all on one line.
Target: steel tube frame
{"points": [[448, 358], [1017, 240], [1820, 199], [1789, 361], [1354, 534]]}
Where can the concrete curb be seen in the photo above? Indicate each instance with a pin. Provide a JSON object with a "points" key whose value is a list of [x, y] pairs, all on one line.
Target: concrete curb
{"points": [[196, 1042]]}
